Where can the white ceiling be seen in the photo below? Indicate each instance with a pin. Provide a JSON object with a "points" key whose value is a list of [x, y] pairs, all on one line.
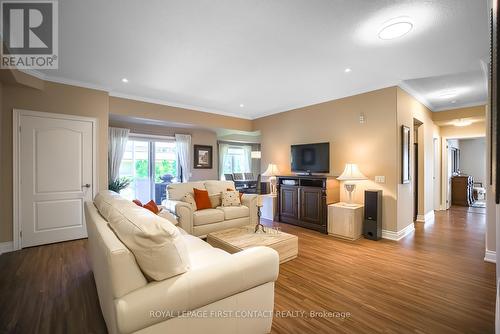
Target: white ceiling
{"points": [[270, 56]]}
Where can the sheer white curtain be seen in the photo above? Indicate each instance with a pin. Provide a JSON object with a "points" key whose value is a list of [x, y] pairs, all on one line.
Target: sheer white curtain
{"points": [[183, 144], [117, 142], [246, 164], [223, 157]]}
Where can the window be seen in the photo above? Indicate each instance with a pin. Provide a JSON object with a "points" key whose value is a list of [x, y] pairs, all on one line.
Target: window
{"points": [[151, 165], [235, 158]]}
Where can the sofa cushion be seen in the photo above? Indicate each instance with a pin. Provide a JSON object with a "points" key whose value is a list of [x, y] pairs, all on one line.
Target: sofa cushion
{"points": [[215, 200], [189, 198], [202, 200], [207, 216], [158, 246], [201, 253], [233, 212], [175, 191], [216, 187], [230, 198]]}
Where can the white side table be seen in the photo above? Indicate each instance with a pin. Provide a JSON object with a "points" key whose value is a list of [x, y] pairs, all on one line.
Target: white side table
{"points": [[345, 221], [269, 206]]}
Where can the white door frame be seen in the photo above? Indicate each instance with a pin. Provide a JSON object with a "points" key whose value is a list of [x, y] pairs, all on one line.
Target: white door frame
{"points": [[16, 177]]}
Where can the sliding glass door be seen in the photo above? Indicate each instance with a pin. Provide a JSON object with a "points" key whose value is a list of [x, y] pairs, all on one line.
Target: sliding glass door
{"points": [[151, 164]]}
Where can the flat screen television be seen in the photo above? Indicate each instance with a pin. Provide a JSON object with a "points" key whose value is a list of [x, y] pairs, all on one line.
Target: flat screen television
{"points": [[311, 158]]}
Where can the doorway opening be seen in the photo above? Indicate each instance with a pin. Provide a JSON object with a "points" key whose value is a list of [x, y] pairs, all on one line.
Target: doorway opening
{"points": [[417, 137], [466, 172]]}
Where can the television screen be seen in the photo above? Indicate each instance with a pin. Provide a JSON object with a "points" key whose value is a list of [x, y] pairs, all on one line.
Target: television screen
{"points": [[312, 158]]}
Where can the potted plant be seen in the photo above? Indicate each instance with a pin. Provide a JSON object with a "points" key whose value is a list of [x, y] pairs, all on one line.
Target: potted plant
{"points": [[119, 184]]}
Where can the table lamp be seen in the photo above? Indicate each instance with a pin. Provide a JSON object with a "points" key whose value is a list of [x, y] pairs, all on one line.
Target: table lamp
{"points": [[350, 175], [271, 172]]}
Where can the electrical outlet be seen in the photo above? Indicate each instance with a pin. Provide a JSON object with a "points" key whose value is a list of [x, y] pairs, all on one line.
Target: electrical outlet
{"points": [[380, 179]]}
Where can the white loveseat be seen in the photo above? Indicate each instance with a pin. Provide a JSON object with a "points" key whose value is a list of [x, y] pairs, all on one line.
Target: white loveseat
{"points": [[202, 222], [217, 293]]}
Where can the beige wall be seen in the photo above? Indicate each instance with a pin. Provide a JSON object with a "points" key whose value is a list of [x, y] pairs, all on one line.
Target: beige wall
{"points": [[54, 98], [151, 111], [372, 145], [477, 112], [198, 136], [408, 109], [474, 130]]}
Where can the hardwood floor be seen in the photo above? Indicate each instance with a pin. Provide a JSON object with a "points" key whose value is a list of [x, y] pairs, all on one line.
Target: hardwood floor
{"points": [[433, 281]]}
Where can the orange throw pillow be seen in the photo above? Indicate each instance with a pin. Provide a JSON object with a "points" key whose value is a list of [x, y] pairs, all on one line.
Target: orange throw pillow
{"points": [[151, 206], [136, 201], [202, 200], [241, 194]]}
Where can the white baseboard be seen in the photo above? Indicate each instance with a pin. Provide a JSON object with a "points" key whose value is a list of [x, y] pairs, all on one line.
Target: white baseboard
{"points": [[427, 218], [396, 236], [6, 247], [490, 256]]}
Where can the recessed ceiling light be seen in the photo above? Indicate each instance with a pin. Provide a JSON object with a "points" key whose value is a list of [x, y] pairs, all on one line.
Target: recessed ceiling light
{"points": [[242, 105], [124, 80], [395, 28], [347, 70], [462, 122]]}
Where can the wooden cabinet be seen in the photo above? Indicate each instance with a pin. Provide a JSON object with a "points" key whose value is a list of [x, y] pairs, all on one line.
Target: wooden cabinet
{"points": [[303, 200], [311, 205], [461, 190], [288, 199], [345, 221]]}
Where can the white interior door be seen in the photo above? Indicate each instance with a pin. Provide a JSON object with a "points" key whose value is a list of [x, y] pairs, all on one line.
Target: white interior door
{"points": [[56, 177]]}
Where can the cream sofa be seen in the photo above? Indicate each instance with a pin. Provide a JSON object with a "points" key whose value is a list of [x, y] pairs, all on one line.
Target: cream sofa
{"points": [[202, 222], [216, 295]]}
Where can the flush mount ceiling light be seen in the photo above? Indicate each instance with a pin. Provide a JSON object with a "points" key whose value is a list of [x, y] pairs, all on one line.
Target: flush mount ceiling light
{"points": [[448, 94], [462, 122], [347, 70], [125, 80], [395, 28], [242, 105]]}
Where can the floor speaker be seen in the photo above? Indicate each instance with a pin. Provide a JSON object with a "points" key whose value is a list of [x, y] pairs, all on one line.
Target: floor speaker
{"points": [[372, 225]]}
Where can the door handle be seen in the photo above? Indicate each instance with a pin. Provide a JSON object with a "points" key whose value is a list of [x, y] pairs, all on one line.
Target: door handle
{"points": [[87, 185]]}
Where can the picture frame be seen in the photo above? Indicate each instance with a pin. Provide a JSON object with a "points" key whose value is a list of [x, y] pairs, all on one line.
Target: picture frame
{"points": [[203, 157], [405, 155]]}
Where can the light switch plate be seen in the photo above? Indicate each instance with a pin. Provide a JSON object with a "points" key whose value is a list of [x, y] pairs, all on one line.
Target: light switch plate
{"points": [[380, 179]]}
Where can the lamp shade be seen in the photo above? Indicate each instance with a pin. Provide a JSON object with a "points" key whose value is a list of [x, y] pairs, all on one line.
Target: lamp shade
{"points": [[272, 170], [255, 154], [351, 173]]}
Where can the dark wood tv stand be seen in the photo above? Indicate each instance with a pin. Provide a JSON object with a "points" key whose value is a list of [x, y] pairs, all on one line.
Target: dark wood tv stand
{"points": [[303, 200]]}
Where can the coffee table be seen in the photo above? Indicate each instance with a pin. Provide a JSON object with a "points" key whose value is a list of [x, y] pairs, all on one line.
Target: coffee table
{"points": [[236, 239]]}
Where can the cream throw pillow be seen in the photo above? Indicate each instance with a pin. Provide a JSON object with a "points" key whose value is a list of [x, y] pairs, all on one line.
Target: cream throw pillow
{"points": [[158, 246], [230, 198], [189, 198]]}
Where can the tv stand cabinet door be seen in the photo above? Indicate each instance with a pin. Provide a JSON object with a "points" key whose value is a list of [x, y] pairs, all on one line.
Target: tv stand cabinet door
{"points": [[289, 202], [311, 208]]}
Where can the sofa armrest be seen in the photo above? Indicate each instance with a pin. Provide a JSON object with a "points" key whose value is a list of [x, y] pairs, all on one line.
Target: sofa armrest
{"points": [[237, 273], [184, 213], [250, 200]]}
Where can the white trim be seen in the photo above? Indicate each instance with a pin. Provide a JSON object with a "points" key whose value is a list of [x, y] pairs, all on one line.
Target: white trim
{"points": [[6, 247], [419, 97], [427, 218], [490, 256], [462, 105], [146, 136], [396, 236], [175, 104], [16, 123]]}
